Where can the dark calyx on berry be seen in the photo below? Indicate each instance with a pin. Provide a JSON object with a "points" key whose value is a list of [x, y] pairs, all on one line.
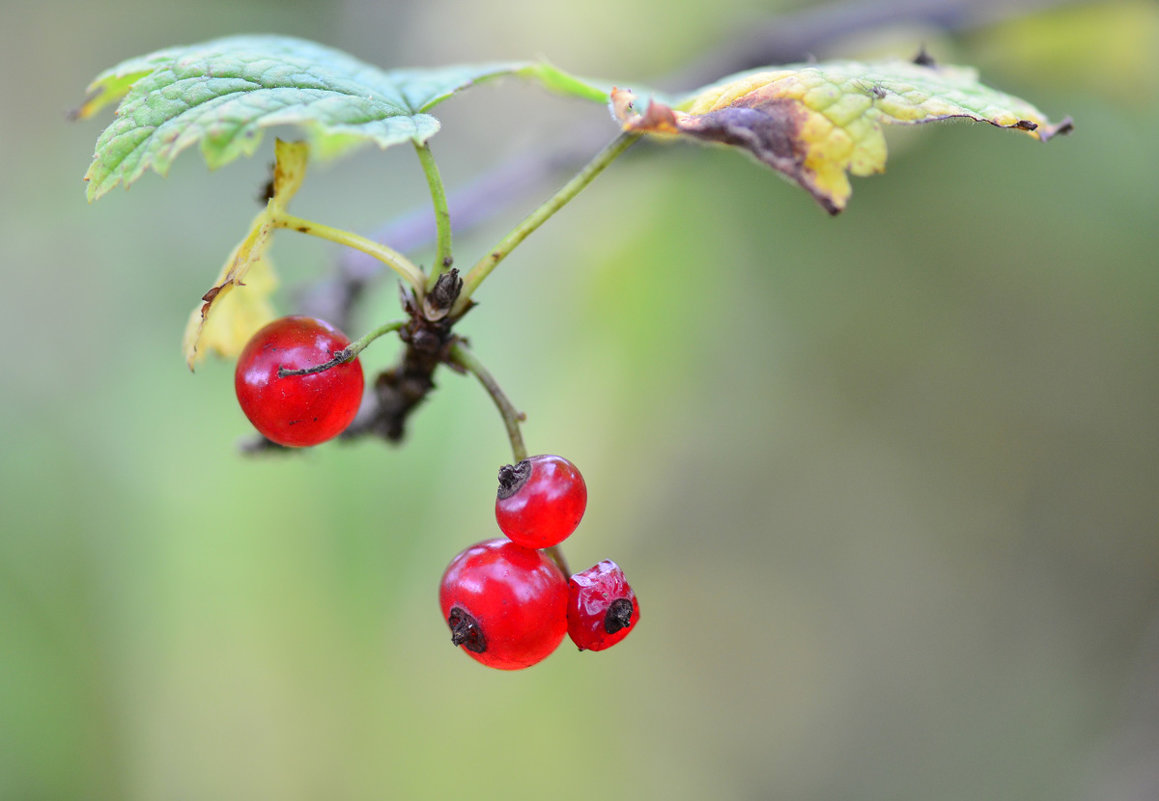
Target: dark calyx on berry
{"points": [[619, 615], [601, 607], [465, 630], [512, 477]]}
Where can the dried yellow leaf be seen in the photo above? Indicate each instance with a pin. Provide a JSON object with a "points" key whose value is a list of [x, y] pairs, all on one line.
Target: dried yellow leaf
{"points": [[224, 321], [816, 123]]}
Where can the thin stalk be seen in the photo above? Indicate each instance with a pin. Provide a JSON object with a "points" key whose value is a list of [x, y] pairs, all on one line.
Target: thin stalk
{"points": [[511, 416], [391, 258], [483, 268], [348, 353], [511, 419], [443, 257]]}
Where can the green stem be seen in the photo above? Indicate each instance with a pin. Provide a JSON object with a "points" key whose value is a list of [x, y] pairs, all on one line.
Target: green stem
{"points": [[511, 416], [483, 268], [511, 419], [443, 257], [348, 353], [391, 258]]}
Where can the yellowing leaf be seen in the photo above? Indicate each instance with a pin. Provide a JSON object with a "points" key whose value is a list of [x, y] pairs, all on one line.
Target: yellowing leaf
{"points": [[814, 123], [236, 315], [225, 320]]}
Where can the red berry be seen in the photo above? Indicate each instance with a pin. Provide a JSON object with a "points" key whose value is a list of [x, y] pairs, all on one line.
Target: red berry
{"points": [[601, 607], [506, 605], [298, 410], [540, 500]]}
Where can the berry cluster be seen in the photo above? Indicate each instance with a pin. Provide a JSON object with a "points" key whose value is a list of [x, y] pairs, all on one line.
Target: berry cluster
{"points": [[506, 600]]}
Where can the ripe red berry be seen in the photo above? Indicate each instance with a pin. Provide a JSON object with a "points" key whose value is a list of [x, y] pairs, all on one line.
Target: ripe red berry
{"points": [[540, 500], [298, 410], [506, 605], [601, 607]]}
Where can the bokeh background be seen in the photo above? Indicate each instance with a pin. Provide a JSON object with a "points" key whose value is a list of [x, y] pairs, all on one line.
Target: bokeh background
{"points": [[887, 484]]}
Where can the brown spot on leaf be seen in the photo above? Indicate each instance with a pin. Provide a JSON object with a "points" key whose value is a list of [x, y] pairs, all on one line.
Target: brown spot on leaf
{"points": [[769, 128], [1048, 131], [211, 294], [764, 124], [1026, 125], [280, 175], [768, 132], [658, 117]]}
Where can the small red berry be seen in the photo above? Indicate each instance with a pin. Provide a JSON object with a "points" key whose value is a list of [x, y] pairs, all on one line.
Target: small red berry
{"points": [[506, 605], [298, 410], [601, 607], [540, 500]]}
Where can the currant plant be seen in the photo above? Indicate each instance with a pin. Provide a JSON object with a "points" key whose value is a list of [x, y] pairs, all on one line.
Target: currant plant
{"points": [[506, 601]]}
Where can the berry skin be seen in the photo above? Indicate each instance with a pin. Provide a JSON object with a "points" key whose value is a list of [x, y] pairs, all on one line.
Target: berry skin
{"points": [[301, 410], [540, 500], [506, 605], [601, 607]]}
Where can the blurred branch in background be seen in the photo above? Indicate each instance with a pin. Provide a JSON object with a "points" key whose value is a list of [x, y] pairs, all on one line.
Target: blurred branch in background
{"points": [[796, 37], [788, 38]]}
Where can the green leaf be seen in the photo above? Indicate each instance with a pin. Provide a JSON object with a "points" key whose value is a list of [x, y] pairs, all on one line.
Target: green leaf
{"points": [[112, 84], [815, 122], [221, 94], [564, 83]]}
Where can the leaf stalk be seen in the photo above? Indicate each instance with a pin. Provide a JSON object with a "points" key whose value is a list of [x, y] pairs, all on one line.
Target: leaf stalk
{"points": [[403, 266], [511, 416], [443, 256], [566, 193]]}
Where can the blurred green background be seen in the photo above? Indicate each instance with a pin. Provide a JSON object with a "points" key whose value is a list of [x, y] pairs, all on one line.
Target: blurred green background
{"points": [[887, 484]]}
